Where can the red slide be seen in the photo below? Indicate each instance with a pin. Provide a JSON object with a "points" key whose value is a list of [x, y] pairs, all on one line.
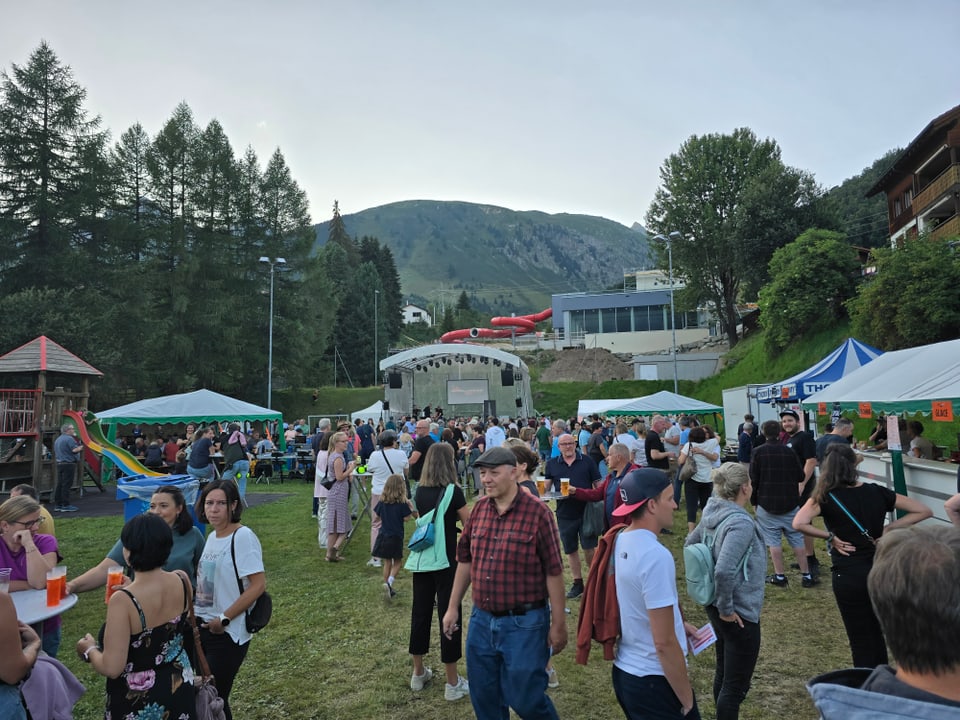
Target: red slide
{"points": [[520, 325]]}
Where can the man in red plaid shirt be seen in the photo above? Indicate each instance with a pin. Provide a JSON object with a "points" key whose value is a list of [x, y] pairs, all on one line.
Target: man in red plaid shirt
{"points": [[510, 552]]}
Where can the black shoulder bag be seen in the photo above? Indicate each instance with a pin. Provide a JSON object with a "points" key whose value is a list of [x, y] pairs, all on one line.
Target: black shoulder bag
{"points": [[258, 614]]}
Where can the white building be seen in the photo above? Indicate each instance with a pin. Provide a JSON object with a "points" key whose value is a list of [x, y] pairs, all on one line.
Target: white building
{"points": [[415, 314]]}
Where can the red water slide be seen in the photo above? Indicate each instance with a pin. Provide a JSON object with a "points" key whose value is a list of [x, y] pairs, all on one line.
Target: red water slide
{"points": [[519, 325]]}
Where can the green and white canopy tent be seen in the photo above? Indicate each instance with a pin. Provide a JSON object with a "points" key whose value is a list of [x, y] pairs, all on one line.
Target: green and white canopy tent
{"points": [[924, 379], [199, 406], [664, 403]]}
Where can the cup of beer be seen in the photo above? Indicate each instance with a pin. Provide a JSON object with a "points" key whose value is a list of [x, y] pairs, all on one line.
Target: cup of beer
{"points": [[5, 579], [53, 587], [114, 577], [565, 486], [540, 484]]}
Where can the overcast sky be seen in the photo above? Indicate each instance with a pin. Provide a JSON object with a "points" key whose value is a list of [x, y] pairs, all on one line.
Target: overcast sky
{"points": [[555, 106]]}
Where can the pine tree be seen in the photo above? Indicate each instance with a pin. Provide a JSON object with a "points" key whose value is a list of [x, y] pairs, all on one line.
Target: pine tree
{"points": [[44, 131]]}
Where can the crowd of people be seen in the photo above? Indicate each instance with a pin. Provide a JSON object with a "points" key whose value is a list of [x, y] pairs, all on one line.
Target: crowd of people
{"points": [[509, 547]]}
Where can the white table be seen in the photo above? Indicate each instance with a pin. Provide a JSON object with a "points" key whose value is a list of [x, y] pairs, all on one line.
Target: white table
{"points": [[32, 607]]}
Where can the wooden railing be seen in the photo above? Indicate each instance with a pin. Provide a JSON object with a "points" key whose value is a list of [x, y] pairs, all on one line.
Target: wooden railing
{"points": [[948, 228], [18, 412], [937, 187]]}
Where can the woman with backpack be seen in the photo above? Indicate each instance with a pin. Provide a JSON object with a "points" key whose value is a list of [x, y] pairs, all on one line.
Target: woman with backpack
{"points": [[740, 564]]}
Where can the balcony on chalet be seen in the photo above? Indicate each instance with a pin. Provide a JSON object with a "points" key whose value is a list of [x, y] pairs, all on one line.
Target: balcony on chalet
{"points": [[948, 228], [947, 181]]}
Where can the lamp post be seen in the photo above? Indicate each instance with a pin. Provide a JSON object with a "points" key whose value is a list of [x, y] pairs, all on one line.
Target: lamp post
{"points": [[376, 334], [272, 263], [674, 235]]}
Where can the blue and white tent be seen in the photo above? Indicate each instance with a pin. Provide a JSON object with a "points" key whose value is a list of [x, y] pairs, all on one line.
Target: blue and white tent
{"points": [[851, 355]]}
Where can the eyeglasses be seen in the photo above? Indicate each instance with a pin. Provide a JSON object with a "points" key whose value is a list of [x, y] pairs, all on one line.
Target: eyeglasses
{"points": [[30, 523]]}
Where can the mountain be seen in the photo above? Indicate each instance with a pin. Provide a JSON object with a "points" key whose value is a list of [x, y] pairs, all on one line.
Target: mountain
{"points": [[506, 260]]}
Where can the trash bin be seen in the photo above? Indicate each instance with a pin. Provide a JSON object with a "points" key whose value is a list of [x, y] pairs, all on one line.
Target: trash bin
{"points": [[136, 491]]}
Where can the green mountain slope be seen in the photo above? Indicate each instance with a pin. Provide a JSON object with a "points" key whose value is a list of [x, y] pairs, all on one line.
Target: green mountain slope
{"points": [[506, 260]]}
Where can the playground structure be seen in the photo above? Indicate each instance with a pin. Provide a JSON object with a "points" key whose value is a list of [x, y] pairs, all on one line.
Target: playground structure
{"points": [[510, 328], [90, 434], [31, 413]]}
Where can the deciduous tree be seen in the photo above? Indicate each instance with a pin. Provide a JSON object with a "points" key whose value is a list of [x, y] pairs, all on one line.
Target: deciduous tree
{"points": [[734, 201]]}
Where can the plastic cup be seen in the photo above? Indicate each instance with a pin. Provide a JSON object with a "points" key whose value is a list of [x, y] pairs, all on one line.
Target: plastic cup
{"points": [[5, 580], [564, 486], [540, 485], [62, 570], [53, 588], [114, 577]]}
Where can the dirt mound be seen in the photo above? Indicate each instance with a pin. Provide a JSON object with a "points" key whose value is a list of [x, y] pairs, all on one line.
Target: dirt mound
{"points": [[590, 365]]}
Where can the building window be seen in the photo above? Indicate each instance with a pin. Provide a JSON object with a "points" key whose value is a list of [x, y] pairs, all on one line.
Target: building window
{"points": [[908, 198], [896, 208], [624, 316], [591, 321], [608, 320]]}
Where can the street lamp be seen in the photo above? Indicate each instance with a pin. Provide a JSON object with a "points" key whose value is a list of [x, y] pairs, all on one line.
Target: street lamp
{"points": [[272, 263], [376, 334], [674, 235]]}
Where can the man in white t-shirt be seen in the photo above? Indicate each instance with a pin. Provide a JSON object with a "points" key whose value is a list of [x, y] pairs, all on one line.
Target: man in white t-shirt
{"points": [[650, 670], [387, 460]]}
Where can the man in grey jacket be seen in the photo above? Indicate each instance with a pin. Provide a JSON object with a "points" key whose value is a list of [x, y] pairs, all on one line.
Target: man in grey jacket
{"points": [[915, 590]]}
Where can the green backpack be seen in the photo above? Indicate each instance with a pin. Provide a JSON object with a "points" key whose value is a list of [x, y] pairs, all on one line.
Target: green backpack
{"points": [[699, 566]]}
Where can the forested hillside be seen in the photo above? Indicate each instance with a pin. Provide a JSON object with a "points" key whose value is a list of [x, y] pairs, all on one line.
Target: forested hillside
{"points": [[506, 260]]}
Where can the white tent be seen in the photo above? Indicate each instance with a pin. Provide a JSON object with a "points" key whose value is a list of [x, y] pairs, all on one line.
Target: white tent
{"points": [[910, 380], [375, 411], [599, 407]]}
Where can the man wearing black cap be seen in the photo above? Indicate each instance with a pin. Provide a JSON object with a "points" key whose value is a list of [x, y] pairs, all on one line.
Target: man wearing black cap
{"points": [[650, 676], [509, 553], [803, 444]]}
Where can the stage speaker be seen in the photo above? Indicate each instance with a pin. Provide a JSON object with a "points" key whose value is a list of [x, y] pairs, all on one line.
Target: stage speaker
{"points": [[395, 381], [506, 378], [386, 404], [519, 402]]}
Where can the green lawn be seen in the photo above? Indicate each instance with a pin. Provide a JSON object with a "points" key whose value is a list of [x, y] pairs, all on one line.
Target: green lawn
{"points": [[335, 649]]}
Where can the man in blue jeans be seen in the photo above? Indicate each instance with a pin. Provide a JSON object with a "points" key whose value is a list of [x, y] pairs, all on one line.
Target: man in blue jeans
{"points": [[510, 553]]}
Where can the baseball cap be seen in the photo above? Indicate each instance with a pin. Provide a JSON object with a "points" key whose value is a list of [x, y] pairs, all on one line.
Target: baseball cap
{"points": [[496, 456], [638, 486], [791, 413]]}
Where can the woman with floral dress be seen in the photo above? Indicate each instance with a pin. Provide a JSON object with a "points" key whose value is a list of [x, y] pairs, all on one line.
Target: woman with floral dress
{"points": [[142, 649]]}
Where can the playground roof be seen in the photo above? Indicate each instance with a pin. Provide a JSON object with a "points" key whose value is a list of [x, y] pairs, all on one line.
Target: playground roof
{"points": [[44, 355]]}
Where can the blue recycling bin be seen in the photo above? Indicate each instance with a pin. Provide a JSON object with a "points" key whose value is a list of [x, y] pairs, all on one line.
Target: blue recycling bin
{"points": [[136, 491]]}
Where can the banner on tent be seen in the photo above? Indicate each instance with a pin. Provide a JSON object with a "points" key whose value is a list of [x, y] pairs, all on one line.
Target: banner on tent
{"points": [[942, 411]]}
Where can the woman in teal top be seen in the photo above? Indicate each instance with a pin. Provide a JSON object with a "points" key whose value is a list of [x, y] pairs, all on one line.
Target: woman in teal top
{"points": [[167, 502]]}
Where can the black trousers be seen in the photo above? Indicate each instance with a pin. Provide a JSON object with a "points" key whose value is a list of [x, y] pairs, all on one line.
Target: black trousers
{"points": [[225, 658], [427, 588], [737, 649], [66, 474], [863, 629]]}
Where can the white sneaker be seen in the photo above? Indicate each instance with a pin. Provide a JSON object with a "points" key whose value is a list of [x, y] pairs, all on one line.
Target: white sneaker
{"points": [[418, 681], [552, 679], [374, 562], [455, 692]]}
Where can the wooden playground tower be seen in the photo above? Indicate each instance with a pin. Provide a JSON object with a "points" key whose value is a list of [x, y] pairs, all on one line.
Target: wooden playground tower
{"points": [[31, 413]]}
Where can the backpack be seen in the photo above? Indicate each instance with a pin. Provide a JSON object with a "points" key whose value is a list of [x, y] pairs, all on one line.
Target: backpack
{"points": [[699, 566]]}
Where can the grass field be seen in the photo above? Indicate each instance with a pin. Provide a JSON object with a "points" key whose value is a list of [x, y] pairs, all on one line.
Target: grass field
{"points": [[335, 649]]}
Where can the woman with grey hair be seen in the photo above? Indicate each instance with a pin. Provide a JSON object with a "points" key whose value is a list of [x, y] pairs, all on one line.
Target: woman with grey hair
{"points": [[740, 562]]}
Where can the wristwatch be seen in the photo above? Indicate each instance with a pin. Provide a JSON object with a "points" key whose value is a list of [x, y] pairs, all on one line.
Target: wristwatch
{"points": [[224, 620]]}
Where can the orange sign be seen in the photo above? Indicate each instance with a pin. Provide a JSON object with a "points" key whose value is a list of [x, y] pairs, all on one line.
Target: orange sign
{"points": [[942, 411], [865, 409], [821, 408], [785, 392]]}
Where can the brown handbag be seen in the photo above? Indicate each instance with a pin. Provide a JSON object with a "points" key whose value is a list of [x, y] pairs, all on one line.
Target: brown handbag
{"points": [[209, 702]]}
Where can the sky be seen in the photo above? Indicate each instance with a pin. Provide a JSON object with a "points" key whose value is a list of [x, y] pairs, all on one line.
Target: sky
{"points": [[531, 105]]}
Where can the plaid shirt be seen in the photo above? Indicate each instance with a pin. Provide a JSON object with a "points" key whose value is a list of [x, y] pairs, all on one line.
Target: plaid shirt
{"points": [[776, 474], [510, 555]]}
